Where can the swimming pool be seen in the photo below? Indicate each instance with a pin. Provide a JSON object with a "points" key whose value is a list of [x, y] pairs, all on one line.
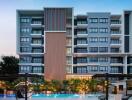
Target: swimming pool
{"points": [[60, 97]]}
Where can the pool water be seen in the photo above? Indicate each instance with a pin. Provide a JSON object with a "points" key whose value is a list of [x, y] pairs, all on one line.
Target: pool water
{"points": [[61, 97]]}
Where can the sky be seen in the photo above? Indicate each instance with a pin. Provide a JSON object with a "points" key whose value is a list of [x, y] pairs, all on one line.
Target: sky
{"points": [[8, 15]]}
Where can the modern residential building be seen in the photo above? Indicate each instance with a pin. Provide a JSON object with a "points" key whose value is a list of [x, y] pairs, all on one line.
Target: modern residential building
{"points": [[59, 45]]}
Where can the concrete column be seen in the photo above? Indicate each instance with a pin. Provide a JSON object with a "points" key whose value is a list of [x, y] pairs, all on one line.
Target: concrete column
{"points": [[125, 65]]}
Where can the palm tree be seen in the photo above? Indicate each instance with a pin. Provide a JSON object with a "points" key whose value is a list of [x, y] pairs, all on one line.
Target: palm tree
{"points": [[93, 85], [55, 86], [83, 86]]}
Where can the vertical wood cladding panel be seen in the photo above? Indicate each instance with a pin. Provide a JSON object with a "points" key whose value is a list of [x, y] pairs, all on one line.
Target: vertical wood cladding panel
{"points": [[55, 19], [55, 56]]}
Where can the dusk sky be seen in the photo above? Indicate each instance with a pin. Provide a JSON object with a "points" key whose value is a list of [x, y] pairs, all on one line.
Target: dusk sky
{"points": [[8, 14]]}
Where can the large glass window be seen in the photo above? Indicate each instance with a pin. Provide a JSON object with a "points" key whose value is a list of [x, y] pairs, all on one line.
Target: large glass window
{"points": [[37, 50], [25, 59], [82, 41], [93, 49], [93, 59], [81, 50], [25, 69], [103, 30], [69, 41], [69, 50], [93, 39], [37, 69], [81, 31], [103, 68], [37, 60], [103, 39], [103, 49], [37, 41], [103, 20], [103, 59], [94, 68], [24, 20], [25, 30], [82, 60], [93, 20], [93, 30], [82, 69], [24, 39], [69, 60], [36, 31], [24, 49]]}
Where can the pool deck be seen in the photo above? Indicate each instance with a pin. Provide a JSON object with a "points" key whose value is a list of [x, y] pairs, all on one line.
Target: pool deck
{"points": [[112, 97]]}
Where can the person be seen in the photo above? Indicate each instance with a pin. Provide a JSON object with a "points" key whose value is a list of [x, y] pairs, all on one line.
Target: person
{"points": [[19, 94]]}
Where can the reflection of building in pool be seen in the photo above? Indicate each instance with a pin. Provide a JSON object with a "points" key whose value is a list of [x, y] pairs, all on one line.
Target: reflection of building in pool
{"points": [[55, 43]]}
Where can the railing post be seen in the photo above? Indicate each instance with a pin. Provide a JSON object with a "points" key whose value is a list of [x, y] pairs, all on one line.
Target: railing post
{"points": [[107, 85], [26, 88]]}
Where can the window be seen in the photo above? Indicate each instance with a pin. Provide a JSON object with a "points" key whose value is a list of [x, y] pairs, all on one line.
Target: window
{"points": [[103, 30], [93, 20], [93, 39], [25, 69], [24, 39], [37, 41], [103, 59], [93, 30], [69, 60], [25, 59], [36, 31], [24, 20], [82, 22], [82, 60], [114, 70], [68, 31], [115, 21], [93, 59], [37, 60], [115, 41], [69, 41], [103, 49], [94, 68], [36, 21], [37, 50], [116, 60], [81, 50], [103, 20], [93, 49], [82, 69], [103, 68], [24, 49], [69, 50], [37, 69], [103, 39], [25, 30], [81, 41], [82, 32]]}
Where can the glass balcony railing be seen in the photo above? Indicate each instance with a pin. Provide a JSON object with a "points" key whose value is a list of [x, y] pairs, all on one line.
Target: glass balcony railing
{"points": [[115, 32], [115, 22], [115, 42]]}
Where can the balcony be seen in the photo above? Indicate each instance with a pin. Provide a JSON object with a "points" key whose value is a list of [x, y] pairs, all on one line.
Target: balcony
{"points": [[82, 24], [115, 34], [115, 43], [116, 70], [116, 61], [115, 50], [36, 22], [115, 23]]}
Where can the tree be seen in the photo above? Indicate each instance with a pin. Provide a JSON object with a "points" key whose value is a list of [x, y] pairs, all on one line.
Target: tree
{"points": [[9, 65], [93, 85]]}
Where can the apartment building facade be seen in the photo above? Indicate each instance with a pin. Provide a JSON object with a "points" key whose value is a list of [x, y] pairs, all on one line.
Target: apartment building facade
{"points": [[55, 43]]}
